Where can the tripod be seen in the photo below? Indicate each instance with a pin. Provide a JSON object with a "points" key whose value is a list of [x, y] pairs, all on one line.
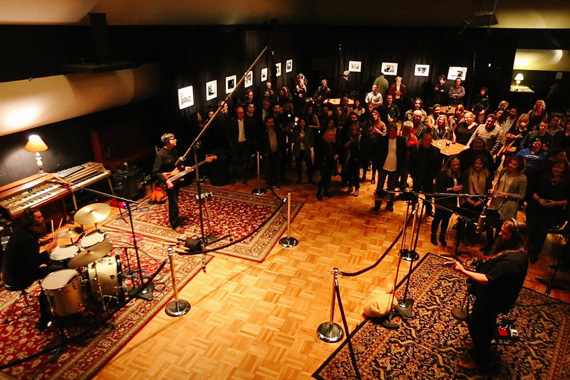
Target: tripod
{"points": [[404, 307]]}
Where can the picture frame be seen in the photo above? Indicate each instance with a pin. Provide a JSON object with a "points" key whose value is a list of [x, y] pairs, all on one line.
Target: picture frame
{"points": [[230, 83], [355, 66], [248, 81], [263, 74], [389, 68], [421, 70], [455, 72], [278, 69], [211, 90], [288, 65], [185, 97]]}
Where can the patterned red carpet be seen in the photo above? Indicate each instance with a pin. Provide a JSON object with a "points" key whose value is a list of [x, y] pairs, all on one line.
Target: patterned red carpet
{"points": [[226, 213], [87, 351], [427, 346]]}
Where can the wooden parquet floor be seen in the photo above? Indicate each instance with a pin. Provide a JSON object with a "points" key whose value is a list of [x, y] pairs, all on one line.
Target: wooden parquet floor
{"points": [[258, 320]]}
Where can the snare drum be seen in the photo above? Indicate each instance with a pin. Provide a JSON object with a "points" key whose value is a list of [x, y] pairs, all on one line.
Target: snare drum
{"points": [[64, 292], [63, 254], [106, 278], [96, 241]]}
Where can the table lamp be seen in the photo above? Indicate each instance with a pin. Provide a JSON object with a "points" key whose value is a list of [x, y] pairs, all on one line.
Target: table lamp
{"points": [[36, 145], [519, 78]]}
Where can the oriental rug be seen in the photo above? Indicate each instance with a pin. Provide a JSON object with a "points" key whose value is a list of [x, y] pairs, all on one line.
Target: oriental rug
{"points": [[91, 344], [225, 213], [427, 346]]}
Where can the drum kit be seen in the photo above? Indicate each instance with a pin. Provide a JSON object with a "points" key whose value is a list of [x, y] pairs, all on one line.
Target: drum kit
{"points": [[90, 271]]}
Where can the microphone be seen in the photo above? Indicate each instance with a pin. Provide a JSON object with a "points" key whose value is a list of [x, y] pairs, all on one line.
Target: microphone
{"points": [[481, 221]]}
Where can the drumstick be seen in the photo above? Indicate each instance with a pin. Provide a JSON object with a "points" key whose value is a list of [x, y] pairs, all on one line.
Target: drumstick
{"points": [[52, 231], [60, 223]]}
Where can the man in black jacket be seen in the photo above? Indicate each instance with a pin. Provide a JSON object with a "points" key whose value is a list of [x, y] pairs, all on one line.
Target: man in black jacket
{"points": [[272, 147], [424, 166], [390, 154]]}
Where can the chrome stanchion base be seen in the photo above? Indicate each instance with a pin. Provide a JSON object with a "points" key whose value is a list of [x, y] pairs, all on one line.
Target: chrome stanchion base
{"points": [[459, 313], [330, 333], [404, 308], [258, 191], [177, 308], [407, 255], [288, 242]]}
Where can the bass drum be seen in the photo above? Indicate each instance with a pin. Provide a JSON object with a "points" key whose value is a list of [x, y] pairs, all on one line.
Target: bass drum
{"points": [[64, 292], [106, 279]]}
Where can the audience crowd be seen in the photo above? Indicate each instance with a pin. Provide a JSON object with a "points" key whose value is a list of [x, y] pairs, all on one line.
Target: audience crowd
{"points": [[511, 160]]}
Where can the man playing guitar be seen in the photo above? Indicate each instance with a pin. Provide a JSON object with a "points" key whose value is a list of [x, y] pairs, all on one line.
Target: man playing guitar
{"points": [[165, 162]]}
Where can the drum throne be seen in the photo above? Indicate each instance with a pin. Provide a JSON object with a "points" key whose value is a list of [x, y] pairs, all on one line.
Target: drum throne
{"points": [[23, 294]]}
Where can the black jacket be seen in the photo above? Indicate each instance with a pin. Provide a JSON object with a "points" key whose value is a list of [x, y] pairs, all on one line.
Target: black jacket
{"points": [[380, 151]]}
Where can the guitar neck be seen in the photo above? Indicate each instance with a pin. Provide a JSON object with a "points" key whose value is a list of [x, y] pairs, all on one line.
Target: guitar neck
{"points": [[182, 173]]}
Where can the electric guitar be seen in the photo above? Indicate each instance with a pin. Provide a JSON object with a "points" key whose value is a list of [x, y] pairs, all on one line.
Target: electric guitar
{"points": [[175, 175]]}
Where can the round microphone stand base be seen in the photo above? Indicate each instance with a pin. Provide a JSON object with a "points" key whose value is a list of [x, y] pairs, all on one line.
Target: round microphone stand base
{"points": [[387, 322], [288, 242], [258, 191], [459, 313], [404, 308], [177, 308], [329, 332]]}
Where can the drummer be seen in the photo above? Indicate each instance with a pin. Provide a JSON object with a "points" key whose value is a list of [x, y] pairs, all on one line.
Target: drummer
{"points": [[24, 262]]}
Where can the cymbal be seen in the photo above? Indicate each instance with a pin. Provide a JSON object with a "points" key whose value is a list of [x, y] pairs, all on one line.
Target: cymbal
{"points": [[92, 214], [90, 255], [70, 233]]}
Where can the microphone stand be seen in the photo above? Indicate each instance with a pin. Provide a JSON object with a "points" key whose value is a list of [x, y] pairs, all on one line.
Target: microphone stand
{"points": [[140, 292], [194, 148]]}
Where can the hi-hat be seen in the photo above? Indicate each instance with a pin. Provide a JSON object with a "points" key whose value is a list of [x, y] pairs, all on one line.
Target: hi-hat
{"points": [[92, 214], [70, 233], [90, 255]]}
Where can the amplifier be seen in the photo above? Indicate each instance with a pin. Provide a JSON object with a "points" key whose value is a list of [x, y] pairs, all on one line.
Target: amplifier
{"points": [[130, 183]]}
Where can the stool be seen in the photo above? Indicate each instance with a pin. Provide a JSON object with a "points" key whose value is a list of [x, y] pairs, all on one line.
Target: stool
{"points": [[23, 293]]}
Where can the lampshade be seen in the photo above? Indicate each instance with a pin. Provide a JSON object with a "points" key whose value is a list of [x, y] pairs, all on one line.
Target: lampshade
{"points": [[35, 144], [519, 77]]}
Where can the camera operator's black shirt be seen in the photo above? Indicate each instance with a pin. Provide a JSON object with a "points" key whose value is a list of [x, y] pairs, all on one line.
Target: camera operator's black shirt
{"points": [[506, 274]]}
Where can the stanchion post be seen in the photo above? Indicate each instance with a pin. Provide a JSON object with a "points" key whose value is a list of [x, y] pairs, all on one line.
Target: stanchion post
{"points": [[258, 190], [330, 331], [288, 241], [178, 307]]}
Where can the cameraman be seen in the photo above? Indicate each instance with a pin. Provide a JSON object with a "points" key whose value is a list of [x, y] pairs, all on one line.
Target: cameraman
{"points": [[496, 284]]}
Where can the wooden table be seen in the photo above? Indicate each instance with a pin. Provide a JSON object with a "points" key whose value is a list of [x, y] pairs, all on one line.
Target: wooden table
{"points": [[448, 150]]}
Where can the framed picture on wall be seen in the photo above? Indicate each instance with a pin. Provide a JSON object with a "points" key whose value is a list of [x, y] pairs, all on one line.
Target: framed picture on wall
{"points": [[355, 66], [278, 69], [288, 65], [248, 81], [421, 71], [389, 68], [264, 74], [186, 97], [456, 72], [211, 90], [230, 83]]}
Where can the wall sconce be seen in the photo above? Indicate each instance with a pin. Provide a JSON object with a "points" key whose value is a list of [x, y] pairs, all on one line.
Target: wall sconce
{"points": [[36, 145], [519, 78]]}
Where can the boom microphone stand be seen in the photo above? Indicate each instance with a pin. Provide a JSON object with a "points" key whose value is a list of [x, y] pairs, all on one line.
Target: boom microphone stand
{"points": [[194, 147]]}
